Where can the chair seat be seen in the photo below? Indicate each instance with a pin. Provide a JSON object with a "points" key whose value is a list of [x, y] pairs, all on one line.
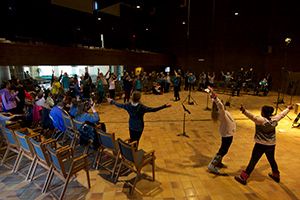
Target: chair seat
{"points": [[139, 156], [67, 164]]}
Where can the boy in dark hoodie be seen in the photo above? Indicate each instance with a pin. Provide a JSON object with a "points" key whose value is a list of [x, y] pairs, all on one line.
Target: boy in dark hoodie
{"points": [[136, 111]]}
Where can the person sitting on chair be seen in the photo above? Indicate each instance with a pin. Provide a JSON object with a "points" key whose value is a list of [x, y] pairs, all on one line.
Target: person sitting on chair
{"points": [[263, 87]]}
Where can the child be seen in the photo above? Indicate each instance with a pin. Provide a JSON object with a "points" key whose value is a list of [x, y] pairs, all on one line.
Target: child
{"points": [[227, 131], [136, 110], [265, 139]]}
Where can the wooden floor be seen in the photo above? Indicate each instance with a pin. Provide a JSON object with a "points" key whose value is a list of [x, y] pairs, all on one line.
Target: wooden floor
{"points": [[181, 164]]}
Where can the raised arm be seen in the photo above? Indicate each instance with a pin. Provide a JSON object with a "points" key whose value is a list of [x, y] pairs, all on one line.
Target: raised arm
{"points": [[283, 113], [107, 73], [255, 119], [120, 105], [149, 109]]}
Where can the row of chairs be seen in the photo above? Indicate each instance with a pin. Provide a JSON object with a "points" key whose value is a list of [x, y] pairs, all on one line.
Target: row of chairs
{"points": [[59, 160], [132, 158]]}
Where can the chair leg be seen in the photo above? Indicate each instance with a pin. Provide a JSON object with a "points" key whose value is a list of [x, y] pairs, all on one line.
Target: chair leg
{"points": [[153, 170], [118, 174], [30, 168], [63, 139], [47, 180], [135, 181], [96, 158], [47, 185], [18, 162], [100, 158], [88, 176], [5, 155], [115, 165], [65, 187], [33, 172]]}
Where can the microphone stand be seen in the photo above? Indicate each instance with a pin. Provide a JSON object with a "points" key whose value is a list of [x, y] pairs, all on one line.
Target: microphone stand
{"points": [[183, 133]]}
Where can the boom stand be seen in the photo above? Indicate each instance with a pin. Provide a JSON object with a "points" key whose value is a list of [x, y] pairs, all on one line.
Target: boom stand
{"points": [[183, 133], [207, 108], [189, 96]]}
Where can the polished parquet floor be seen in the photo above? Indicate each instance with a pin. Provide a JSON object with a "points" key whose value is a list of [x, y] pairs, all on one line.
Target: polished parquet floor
{"points": [[181, 164]]}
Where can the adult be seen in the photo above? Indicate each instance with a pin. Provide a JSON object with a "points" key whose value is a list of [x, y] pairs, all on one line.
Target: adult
{"points": [[18, 87], [9, 98], [83, 116], [65, 82], [136, 111], [227, 131], [176, 86], [265, 140], [202, 79], [191, 80], [57, 118], [100, 90], [127, 84], [112, 85]]}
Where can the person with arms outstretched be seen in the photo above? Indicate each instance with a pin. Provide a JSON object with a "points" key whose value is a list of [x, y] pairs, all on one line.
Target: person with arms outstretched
{"points": [[227, 131], [136, 111], [265, 140]]}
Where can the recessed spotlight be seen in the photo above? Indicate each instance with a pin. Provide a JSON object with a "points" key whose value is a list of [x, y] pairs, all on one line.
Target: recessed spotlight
{"points": [[147, 29], [183, 22], [138, 6], [236, 13], [99, 18]]}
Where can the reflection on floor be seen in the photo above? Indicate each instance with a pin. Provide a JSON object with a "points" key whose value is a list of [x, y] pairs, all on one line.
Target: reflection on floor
{"points": [[181, 164]]}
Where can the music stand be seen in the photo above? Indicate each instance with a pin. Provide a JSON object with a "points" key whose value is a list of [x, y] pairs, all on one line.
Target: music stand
{"points": [[183, 133], [189, 96], [207, 108]]}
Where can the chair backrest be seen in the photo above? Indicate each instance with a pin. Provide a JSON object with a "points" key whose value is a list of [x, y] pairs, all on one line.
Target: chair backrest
{"points": [[56, 160], [107, 140], [128, 152], [40, 151], [78, 124], [68, 121], [24, 142], [10, 137]]}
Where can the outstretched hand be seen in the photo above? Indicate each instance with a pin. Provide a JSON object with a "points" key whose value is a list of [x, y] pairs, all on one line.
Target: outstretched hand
{"points": [[168, 105], [291, 106], [242, 108], [109, 100]]}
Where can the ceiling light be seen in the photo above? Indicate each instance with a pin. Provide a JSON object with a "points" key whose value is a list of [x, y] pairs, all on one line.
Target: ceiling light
{"points": [[138, 6], [183, 22], [236, 13], [99, 18]]}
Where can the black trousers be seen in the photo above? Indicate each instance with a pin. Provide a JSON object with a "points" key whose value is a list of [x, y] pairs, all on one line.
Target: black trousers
{"points": [[112, 94], [135, 135], [176, 92], [100, 94], [257, 152], [226, 142], [127, 95]]}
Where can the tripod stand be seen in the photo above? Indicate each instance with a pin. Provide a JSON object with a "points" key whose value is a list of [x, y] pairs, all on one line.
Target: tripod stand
{"points": [[183, 133], [207, 108], [189, 97]]}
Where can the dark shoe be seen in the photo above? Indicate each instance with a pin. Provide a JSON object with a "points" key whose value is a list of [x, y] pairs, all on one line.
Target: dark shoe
{"points": [[240, 180], [178, 99], [221, 165], [275, 177]]}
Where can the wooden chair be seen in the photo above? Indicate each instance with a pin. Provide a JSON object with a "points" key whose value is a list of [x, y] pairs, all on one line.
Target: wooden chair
{"points": [[108, 143], [41, 156], [135, 160], [12, 144], [70, 129], [65, 169], [25, 149]]}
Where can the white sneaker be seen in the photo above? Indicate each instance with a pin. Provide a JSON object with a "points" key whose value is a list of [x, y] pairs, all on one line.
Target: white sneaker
{"points": [[213, 169]]}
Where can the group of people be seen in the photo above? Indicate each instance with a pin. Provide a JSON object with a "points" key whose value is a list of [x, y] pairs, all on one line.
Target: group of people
{"points": [[48, 106], [265, 137]]}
